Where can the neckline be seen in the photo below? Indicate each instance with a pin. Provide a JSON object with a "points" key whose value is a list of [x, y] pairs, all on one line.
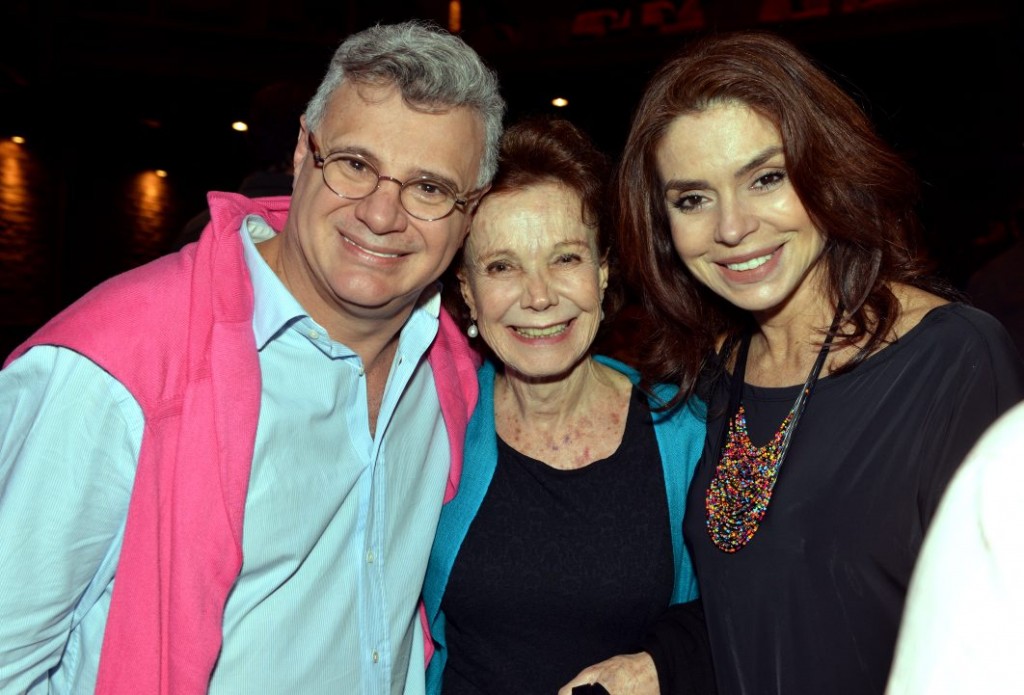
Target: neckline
{"points": [[804, 394], [634, 410], [888, 352]]}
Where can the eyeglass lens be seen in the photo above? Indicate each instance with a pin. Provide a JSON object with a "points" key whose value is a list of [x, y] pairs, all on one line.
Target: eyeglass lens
{"points": [[352, 177]]}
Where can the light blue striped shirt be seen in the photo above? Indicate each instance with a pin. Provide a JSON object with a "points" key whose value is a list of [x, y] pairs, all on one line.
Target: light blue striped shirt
{"points": [[338, 523]]}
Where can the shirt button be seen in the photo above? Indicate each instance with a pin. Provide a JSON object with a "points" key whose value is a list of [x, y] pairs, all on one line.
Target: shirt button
{"points": [[313, 335], [370, 557], [375, 656], [361, 372]]}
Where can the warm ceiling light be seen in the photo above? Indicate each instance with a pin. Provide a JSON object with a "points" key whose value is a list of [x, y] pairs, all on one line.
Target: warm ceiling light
{"points": [[18, 140], [455, 16], [559, 102], [240, 126], [161, 173]]}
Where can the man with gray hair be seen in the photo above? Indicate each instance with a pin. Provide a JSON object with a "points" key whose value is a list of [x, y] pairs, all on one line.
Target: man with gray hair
{"points": [[255, 435]]}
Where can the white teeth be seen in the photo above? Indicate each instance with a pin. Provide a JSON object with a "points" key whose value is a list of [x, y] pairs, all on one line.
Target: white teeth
{"points": [[749, 265], [372, 253], [380, 255], [542, 332]]}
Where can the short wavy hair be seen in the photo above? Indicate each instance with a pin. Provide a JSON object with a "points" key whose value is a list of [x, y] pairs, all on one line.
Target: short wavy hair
{"points": [[433, 69], [542, 150]]}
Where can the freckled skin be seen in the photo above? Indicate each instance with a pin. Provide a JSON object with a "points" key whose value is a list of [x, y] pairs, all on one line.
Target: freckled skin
{"points": [[532, 266], [573, 443]]}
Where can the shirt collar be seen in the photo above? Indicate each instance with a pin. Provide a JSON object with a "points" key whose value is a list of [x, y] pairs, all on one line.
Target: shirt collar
{"points": [[275, 307]]}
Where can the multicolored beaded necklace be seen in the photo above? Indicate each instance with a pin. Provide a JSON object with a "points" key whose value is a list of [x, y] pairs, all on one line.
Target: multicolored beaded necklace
{"points": [[739, 493]]}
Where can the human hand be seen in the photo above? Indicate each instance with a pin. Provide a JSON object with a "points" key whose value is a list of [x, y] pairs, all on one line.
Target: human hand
{"points": [[626, 674]]}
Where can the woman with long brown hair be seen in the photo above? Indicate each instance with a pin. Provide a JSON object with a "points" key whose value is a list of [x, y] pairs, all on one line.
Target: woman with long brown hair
{"points": [[772, 236]]}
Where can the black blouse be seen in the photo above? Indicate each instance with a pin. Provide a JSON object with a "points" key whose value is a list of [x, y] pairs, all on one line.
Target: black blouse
{"points": [[812, 604]]}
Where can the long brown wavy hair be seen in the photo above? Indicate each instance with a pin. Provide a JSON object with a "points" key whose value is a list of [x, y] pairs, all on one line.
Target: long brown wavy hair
{"points": [[857, 191]]}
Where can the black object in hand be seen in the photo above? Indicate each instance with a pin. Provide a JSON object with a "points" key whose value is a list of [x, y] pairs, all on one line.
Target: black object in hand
{"points": [[590, 689]]}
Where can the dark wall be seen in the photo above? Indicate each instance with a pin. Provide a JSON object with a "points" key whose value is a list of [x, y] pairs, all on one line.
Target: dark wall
{"points": [[103, 89]]}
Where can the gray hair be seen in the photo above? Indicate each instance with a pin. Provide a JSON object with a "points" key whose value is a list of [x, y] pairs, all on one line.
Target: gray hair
{"points": [[433, 70]]}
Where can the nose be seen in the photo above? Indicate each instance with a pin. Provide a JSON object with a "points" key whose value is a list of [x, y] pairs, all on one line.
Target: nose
{"points": [[736, 220], [382, 210], [538, 293]]}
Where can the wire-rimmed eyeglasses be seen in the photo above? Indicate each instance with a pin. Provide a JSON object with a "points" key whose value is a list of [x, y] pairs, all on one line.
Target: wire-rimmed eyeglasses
{"points": [[352, 177]]}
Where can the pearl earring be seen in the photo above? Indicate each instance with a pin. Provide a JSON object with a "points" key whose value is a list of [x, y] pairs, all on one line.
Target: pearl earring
{"points": [[472, 331]]}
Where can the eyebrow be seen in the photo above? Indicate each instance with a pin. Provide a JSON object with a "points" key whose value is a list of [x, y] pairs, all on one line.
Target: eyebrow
{"points": [[418, 173], [759, 160], [488, 254]]}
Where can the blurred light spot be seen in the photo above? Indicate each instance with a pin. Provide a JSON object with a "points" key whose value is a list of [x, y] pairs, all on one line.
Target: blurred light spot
{"points": [[14, 188], [455, 16], [18, 140], [559, 102], [240, 126], [26, 238], [149, 208]]}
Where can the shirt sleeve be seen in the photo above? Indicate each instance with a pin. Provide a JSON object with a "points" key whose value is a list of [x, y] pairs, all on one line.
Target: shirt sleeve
{"points": [[678, 644], [986, 378], [961, 628], [69, 442]]}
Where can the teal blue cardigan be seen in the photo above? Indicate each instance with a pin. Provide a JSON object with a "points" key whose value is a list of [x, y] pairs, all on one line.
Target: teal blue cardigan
{"points": [[680, 436]]}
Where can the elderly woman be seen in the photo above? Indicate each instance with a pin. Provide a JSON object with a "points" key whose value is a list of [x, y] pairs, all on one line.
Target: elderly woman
{"points": [[565, 539], [768, 226]]}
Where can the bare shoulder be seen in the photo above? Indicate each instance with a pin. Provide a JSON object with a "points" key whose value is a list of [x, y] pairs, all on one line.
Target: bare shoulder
{"points": [[915, 304]]}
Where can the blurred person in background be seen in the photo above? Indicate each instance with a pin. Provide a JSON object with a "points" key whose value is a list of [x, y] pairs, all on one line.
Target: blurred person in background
{"points": [[274, 111], [998, 286], [961, 625]]}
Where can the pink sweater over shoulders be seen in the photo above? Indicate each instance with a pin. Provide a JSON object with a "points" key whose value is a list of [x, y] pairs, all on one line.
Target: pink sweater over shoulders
{"points": [[177, 333]]}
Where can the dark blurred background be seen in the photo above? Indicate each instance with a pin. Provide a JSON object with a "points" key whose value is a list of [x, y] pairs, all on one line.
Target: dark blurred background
{"points": [[123, 108]]}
